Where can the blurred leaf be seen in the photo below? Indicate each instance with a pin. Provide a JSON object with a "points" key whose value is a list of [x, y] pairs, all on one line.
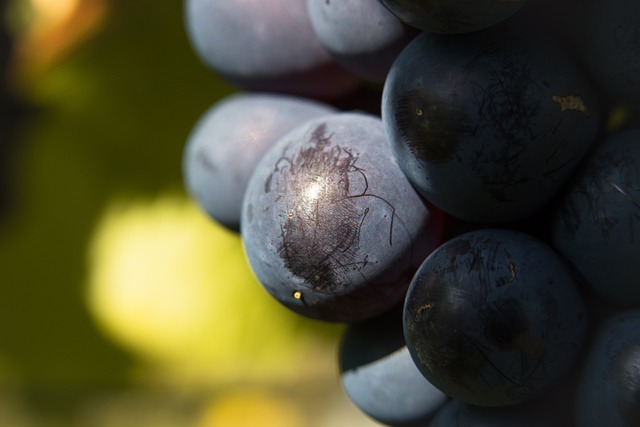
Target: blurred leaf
{"points": [[175, 287], [248, 408], [112, 118]]}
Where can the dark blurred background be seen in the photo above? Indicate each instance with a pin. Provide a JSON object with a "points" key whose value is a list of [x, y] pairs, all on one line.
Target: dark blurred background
{"points": [[120, 304]]}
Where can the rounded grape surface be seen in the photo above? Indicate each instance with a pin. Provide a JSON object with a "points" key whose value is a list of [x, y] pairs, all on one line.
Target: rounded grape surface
{"points": [[330, 225], [362, 35], [379, 376], [489, 125], [494, 317], [597, 219], [266, 45], [453, 16], [229, 139], [609, 389]]}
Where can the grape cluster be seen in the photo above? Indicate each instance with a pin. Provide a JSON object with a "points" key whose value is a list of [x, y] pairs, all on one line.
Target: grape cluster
{"points": [[458, 182]]}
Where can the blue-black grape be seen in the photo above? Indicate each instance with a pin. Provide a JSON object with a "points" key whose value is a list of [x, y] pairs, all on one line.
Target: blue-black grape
{"points": [[362, 35], [488, 126], [494, 317], [609, 388], [379, 376], [227, 141], [453, 16], [330, 225], [266, 45], [597, 221]]}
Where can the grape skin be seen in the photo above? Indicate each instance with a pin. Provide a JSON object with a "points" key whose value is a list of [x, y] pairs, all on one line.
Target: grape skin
{"points": [[229, 139], [596, 222], [609, 389], [265, 45], [494, 317], [340, 26], [453, 16], [488, 126], [380, 377], [331, 226]]}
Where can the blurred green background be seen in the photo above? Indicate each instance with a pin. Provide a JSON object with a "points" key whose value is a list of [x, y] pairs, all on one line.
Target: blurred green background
{"points": [[120, 304]]}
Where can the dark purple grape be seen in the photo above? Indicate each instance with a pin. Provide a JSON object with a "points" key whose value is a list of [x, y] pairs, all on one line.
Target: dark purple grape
{"points": [[488, 126], [453, 16], [379, 376], [330, 225], [362, 35], [266, 45], [609, 388], [229, 139], [493, 317], [597, 223]]}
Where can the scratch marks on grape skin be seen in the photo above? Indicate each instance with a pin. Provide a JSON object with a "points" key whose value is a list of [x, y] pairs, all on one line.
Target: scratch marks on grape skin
{"points": [[601, 185], [325, 198], [507, 104], [625, 194]]}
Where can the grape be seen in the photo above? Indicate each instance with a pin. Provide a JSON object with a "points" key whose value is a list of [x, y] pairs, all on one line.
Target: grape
{"points": [[229, 139], [488, 126], [265, 45], [330, 225], [609, 391], [597, 219], [379, 375], [493, 317], [453, 16], [340, 26]]}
